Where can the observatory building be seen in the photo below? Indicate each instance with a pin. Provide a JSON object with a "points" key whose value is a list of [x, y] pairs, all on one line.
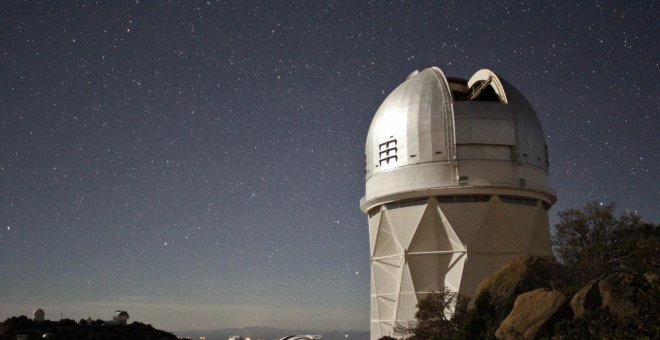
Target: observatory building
{"points": [[38, 315], [120, 317], [456, 187]]}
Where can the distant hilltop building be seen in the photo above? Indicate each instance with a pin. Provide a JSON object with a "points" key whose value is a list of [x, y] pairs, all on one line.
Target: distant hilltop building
{"points": [[456, 187], [121, 317], [38, 315], [302, 337]]}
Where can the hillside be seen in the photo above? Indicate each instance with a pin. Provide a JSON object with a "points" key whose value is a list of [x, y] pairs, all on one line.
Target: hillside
{"points": [[71, 330]]}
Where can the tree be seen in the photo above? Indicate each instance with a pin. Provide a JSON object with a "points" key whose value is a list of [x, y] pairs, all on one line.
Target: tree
{"points": [[433, 319], [594, 241]]}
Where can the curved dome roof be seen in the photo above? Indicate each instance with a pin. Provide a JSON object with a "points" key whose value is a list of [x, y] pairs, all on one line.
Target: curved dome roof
{"points": [[430, 118], [422, 109]]}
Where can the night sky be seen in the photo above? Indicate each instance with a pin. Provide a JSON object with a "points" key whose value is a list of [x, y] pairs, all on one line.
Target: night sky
{"points": [[199, 164]]}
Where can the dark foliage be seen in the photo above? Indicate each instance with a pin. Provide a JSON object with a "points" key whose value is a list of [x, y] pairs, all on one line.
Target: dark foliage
{"points": [[482, 320], [444, 315], [594, 241], [70, 330], [599, 324], [433, 319]]}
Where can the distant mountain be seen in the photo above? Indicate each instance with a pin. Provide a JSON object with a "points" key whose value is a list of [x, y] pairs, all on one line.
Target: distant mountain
{"points": [[271, 333]]}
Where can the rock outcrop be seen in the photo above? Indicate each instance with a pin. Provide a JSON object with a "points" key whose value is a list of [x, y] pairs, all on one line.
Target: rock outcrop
{"points": [[612, 292], [523, 274], [623, 297], [586, 299], [534, 314]]}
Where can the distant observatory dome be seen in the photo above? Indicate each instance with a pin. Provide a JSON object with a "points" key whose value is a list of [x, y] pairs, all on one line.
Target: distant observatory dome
{"points": [[121, 316], [38, 315], [456, 187]]}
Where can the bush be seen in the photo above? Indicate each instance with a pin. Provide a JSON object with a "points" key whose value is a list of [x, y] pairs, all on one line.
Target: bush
{"points": [[433, 319], [593, 241], [482, 321]]}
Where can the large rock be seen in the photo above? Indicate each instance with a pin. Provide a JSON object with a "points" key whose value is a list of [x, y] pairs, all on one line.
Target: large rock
{"points": [[651, 278], [534, 314], [586, 299], [614, 291], [521, 275]]}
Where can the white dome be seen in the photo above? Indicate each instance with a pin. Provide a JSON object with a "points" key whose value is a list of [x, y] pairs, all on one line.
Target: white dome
{"points": [[433, 133]]}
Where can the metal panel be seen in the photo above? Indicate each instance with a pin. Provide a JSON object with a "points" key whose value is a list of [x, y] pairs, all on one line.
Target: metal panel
{"points": [[416, 115], [484, 123], [484, 152]]}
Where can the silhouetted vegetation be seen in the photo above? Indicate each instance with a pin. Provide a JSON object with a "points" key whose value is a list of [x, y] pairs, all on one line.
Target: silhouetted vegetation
{"points": [[70, 330], [594, 241], [481, 321], [433, 319]]}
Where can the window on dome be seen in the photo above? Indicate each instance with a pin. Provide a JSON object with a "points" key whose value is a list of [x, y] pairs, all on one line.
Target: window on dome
{"points": [[387, 152], [519, 200], [463, 198]]}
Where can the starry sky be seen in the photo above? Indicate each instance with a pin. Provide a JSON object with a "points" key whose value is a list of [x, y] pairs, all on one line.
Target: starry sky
{"points": [[200, 163]]}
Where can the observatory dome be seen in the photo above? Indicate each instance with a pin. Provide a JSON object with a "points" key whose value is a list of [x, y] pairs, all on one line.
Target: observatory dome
{"points": [[456, 187], [435, 135], [38, 315]]}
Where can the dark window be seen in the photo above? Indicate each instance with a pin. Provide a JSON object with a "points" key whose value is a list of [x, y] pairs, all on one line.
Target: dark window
{"points": [[405, 203], [519, 200], [373, 211], [446, 199], [387, 152], [481, 198], [463, 198]]}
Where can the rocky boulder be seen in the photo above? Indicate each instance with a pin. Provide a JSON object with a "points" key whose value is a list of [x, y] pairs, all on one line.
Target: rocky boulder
{"points": [[613, 291], [534, 314], [651, 278], [586, 299], [521, 275]]}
